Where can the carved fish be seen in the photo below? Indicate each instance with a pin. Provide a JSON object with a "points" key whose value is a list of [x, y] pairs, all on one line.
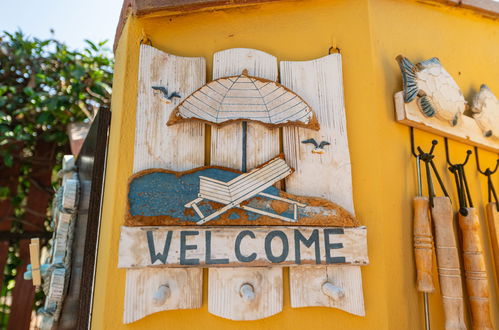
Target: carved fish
{"points": [[437, 93], [486, 112]]}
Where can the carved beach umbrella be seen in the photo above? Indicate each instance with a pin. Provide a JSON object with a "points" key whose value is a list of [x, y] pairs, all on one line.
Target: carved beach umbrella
{"points": [[245, 98]]}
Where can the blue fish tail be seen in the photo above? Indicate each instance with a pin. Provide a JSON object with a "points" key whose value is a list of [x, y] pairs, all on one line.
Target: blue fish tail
{"points": [[408, 78]]}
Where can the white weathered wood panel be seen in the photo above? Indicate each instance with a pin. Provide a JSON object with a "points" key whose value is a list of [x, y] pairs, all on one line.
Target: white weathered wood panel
{"points": [[178, 148], [226, 150], [226, 142], [466, 131], [142, 286], [263, 300], [186, 247], [326, 175]]}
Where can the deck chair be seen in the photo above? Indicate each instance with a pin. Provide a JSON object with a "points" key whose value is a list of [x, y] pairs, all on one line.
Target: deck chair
{"points": [[242, 188]]}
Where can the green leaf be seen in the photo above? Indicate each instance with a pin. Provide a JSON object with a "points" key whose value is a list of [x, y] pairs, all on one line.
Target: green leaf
{"points": [[4, 192], [8, 159]]}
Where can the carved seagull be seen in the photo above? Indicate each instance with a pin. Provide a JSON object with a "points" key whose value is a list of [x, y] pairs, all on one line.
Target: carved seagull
{"points": [[164, 92], [319, 148]]}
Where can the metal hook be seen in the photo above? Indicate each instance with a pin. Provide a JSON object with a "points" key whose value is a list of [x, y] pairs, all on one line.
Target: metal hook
{"points": [[462, 187], [427, 158], [447, 157], [488, 173]]}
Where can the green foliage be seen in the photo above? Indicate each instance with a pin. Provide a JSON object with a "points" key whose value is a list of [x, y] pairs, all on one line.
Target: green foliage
{"points": [[44, 86]]}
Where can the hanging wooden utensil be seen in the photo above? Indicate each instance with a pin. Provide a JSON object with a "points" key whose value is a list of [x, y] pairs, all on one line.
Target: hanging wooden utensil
{"points": [[423, 244], [475, 271], [473, 258], [493, 221], [449, 270]]}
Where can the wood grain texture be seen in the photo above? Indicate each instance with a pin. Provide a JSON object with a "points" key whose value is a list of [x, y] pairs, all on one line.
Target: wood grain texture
{"points": [[226, 142], [493, 224], [139, 244], [423, 245], [180, 147], [226, 150], [175, 148], [306, 287], [34, 257], [475, 270], [326, 175], [466, 131], [142, 284], [267, 289], [449, 270]]}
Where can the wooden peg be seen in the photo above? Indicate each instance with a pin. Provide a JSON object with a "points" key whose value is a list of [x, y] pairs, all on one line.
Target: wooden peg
{"points": [[34, 255], [247, 292], [475, 271], [332, 291], [160, 296]]}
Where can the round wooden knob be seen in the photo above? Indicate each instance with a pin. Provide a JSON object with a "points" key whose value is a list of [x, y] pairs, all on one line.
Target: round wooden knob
{"points": [[247, 292], [332, 291], [160, 296]]}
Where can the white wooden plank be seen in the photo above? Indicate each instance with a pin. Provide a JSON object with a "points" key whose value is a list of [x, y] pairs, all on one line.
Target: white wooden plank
{"points": [[226, 150], [142, 285], [199, 247], [320, 83], [179, 147], [466, 131], [264, 283], [226, 142]]}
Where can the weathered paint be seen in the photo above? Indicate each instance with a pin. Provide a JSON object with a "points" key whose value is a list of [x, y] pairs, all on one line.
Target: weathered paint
{"points": [[160, 197], [370, 34]]}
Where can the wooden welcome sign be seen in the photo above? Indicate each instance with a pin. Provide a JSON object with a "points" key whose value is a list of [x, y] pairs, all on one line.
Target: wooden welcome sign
{"points": [[254, 208]]}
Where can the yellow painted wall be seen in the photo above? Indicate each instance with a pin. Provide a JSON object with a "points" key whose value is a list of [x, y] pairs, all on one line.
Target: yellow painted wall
{"points": [[370, 34]]}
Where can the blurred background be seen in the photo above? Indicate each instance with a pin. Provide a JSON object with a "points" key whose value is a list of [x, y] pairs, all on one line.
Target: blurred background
{"points": [[56, 66]]}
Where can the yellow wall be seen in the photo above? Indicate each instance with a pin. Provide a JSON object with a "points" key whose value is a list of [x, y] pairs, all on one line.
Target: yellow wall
{"points": [[370, 34]]}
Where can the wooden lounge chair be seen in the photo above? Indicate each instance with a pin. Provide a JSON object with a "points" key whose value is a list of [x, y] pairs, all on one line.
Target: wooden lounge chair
{"points": [[242, 188]]}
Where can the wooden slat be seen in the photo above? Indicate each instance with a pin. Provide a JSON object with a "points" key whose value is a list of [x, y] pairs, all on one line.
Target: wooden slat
{"points": [[142, 284], [226, 150], [136, 248], [326, 175], [179, 147], [227, 141], [466, 131]]}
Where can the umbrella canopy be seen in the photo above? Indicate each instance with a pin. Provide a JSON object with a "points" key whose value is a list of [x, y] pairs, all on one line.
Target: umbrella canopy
{"points": [[245, 98]]}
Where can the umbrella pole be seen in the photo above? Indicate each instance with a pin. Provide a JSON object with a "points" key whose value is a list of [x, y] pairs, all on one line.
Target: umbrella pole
{"points": [[245, 137]]}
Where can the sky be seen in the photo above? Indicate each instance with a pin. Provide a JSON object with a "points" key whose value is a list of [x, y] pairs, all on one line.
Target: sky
{"points": [[72, 20]]}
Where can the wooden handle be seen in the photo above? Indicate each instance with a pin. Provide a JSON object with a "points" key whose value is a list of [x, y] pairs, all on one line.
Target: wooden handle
{"points": [[423, 245], [493, 221], [449, 271], [475, 271]]}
